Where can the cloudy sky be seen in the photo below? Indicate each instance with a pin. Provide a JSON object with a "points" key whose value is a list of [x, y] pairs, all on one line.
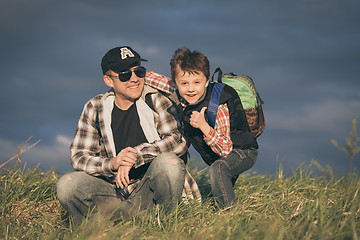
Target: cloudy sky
{"points": [[303, 55]]}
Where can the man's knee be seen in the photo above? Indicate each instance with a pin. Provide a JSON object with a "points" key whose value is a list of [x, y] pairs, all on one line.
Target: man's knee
{"points": [[67, 185], [169, 166], [169, 160]]}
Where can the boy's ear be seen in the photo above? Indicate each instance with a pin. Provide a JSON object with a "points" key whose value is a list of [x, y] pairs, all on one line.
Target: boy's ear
{"points": [[176, 86], [108, 81], [207, 83]]}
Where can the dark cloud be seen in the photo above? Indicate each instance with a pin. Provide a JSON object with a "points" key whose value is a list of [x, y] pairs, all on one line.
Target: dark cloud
{"points": [[303, 56]]}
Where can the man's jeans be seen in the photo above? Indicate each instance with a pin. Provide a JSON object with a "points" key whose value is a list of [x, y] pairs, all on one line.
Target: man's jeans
{"points": [[162, 184], [225, 171]]}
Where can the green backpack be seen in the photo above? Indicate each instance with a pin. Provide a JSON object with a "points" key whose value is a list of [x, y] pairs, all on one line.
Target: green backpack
{"points": [[250, 99]]}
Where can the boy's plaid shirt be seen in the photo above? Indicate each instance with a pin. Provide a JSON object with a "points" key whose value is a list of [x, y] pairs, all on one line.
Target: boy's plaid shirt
{"points": [[218, 138]]}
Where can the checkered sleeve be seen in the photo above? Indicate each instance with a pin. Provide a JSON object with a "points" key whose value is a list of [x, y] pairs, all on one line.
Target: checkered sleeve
{"points": [[219, 138], [167, 125], [87, 149], [191, 190], [160, 82]]}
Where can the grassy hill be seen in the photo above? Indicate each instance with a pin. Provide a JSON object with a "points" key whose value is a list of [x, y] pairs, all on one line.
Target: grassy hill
{"points": [[297, 206]]}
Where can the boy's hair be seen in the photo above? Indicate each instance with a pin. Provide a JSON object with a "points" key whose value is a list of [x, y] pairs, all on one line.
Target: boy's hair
{"points": [[191, 62]]}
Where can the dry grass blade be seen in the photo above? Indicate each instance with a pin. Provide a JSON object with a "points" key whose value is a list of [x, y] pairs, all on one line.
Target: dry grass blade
{"points": [[21, 151], [295, 206]]}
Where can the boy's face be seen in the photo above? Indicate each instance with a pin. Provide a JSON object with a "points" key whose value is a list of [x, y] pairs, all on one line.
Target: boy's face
{"points": [[191, 86]]}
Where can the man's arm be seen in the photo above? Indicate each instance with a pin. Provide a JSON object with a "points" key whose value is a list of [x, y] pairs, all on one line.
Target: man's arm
{"points": [[167, 125], [88, 152]]}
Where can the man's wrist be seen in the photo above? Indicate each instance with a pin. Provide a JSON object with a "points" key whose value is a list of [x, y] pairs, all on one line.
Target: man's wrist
{"points": [[112, 164]]}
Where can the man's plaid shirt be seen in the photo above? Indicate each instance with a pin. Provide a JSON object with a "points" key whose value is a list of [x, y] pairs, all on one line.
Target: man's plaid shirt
{"points": [[93, 146]]}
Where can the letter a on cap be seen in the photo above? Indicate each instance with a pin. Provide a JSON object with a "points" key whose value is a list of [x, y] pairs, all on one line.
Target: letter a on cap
{"points": [[125, 52]]}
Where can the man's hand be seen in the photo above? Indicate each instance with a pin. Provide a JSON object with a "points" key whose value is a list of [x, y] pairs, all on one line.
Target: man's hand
{"points": [[122, 177], [126, 157], [123, 163], [197, 120]]}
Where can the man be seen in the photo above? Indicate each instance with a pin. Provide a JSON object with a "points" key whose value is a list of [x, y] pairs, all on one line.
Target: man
{"points": [[126, 147]]}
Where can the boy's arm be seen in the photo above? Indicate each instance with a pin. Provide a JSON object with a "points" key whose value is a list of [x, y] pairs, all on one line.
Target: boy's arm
{"points": [[219, 138], [167, 124], [160, 82]]}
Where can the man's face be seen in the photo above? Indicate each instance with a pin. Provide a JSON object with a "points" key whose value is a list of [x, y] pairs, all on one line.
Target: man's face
{"points": [[191, 86], [125, 92]]}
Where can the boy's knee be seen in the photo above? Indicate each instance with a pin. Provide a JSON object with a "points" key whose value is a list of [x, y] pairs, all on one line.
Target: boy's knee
{"points": [[217, 168]]}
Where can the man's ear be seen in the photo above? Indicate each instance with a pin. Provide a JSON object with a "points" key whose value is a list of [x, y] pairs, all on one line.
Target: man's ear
{"points": [[108, 81]]}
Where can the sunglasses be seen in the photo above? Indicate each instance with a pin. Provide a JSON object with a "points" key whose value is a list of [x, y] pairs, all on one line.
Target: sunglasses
{"points": [[125, 76]]}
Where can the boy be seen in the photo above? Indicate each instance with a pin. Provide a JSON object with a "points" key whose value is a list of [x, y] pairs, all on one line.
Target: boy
{"points": [[229, 148]]}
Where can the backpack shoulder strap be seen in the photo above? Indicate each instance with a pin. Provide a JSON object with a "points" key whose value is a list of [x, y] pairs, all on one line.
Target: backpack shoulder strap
{"points": [[214, 103], [219, 71], [215, 97]]}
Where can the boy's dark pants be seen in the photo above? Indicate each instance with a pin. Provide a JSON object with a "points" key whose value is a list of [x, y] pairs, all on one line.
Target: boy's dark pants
{"points": [[225, 171]]}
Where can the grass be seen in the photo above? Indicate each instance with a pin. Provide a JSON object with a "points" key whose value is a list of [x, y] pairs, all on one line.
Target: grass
{"points": [[301, 205]]}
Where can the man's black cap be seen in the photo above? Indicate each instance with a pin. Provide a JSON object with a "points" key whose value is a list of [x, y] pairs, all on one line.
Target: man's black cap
{"points": [[119, 59]]}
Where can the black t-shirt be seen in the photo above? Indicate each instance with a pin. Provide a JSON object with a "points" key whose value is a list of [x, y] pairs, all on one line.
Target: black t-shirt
{"points": [[127, 132], [125, 125]]}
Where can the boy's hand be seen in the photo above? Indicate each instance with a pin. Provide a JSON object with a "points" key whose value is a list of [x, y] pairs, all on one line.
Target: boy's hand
{"points": [[197, 120]]}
